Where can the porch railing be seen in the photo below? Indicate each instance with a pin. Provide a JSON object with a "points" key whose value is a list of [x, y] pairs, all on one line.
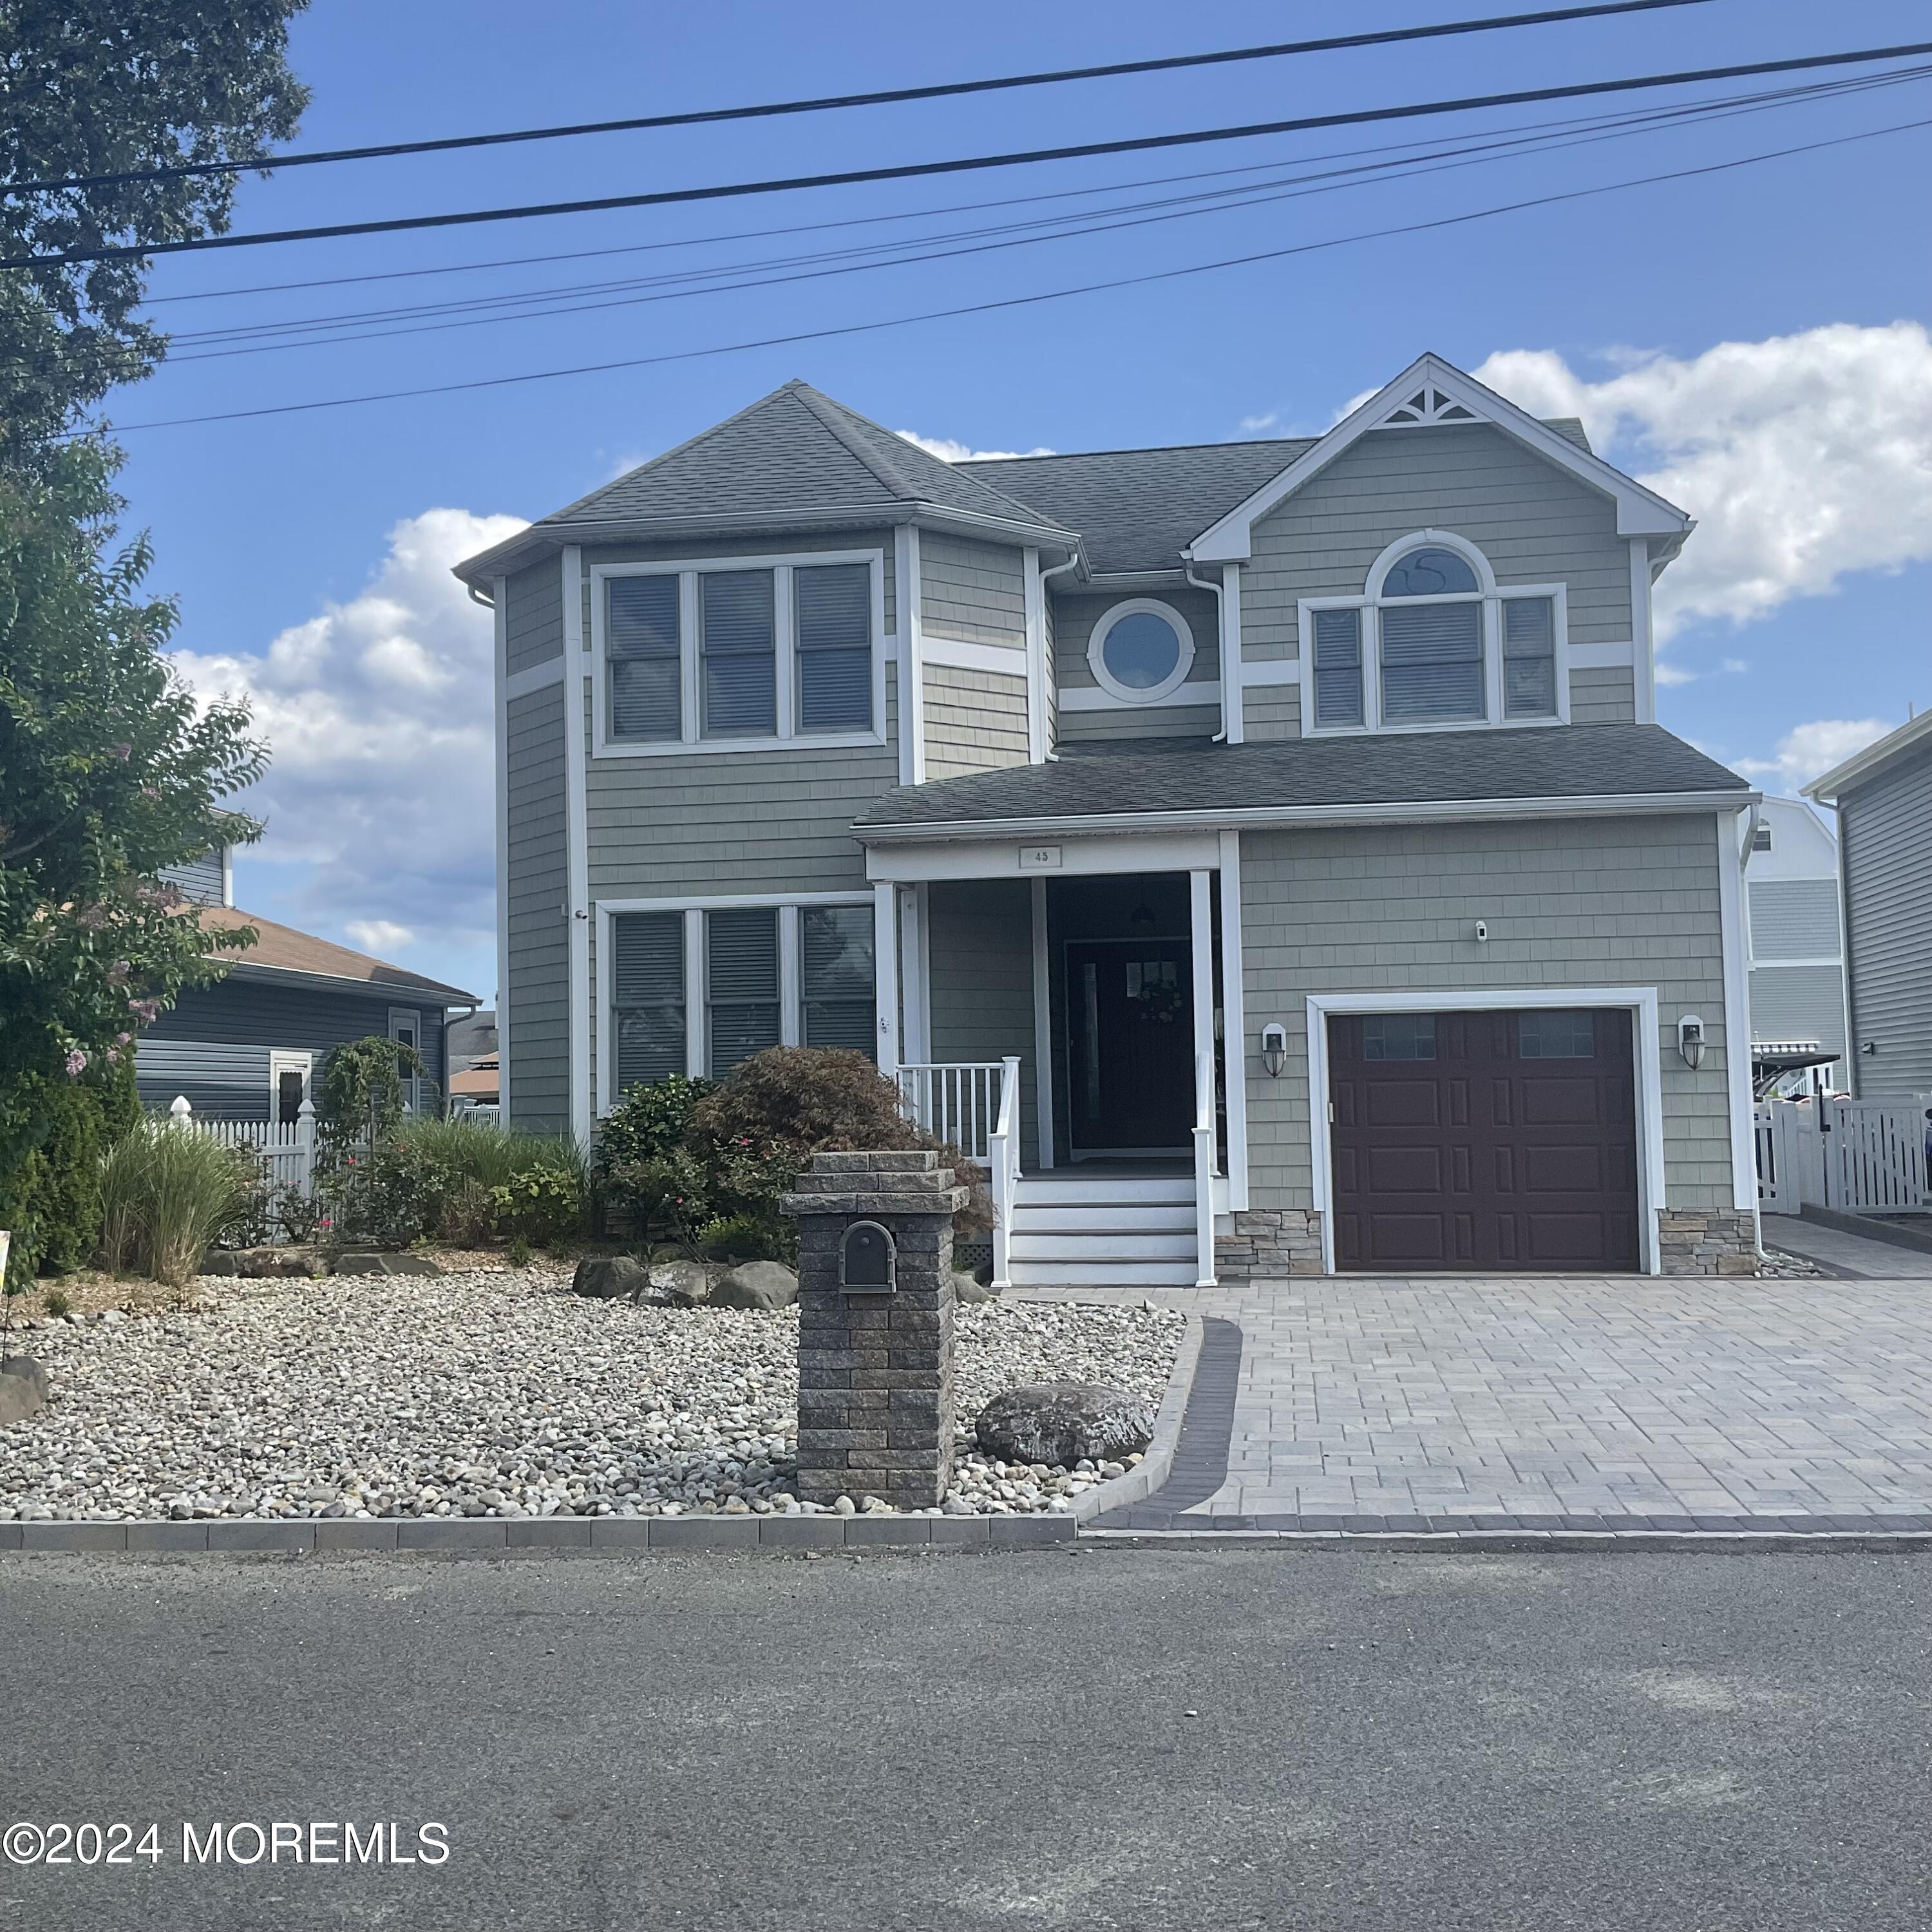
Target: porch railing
{"points": [[1003, 1162], [960, 1101], [1203, 1168]]}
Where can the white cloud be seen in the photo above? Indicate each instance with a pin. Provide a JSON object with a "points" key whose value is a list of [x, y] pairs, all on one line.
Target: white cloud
{"points": [[378, 715], [1254, 425], [379, 935], [1812, 748], [948, 451], [1803, 457], [1671, 674]]}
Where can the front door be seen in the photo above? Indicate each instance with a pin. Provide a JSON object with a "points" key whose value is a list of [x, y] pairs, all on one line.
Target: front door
{"points": [[1129, 1045]]}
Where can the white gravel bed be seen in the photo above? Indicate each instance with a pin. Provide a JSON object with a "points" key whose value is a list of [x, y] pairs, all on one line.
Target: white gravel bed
{"points": [[496, 1394]]}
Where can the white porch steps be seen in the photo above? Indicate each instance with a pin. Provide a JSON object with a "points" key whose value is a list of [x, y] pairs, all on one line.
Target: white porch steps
{"points": [[1109, 1230]]}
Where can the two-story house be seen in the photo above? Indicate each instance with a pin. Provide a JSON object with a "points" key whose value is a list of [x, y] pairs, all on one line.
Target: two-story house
{"points": [[1263, 852]]}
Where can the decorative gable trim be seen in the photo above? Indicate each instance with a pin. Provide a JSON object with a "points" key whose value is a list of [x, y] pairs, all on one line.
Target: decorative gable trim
{"points": [[1432, 393]]}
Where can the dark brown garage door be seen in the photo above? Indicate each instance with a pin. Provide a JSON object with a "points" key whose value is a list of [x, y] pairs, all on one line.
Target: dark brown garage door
{"points": [[1484, 1141]]}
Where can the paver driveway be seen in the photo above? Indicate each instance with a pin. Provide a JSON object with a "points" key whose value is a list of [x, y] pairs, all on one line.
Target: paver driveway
{"points": [[1565, 1403]]}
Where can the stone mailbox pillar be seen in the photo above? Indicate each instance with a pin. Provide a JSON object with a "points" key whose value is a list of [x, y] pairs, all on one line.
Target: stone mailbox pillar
{"points": [[875, 1326]]}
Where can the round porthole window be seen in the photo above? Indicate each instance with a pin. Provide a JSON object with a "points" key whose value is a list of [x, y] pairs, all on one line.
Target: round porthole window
{"points": [[1142, 652]]}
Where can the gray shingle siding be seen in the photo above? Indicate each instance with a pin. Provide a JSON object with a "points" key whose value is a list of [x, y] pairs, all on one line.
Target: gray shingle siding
{"points": [[1794, 1003], [1603, 695], [980, 979], [975, 721], [1074, 620], [1793, 919], [1886, 830], [1271, 711], [974, 591], [533, 617], [199, 880], [535, 898], [1611, 902]]}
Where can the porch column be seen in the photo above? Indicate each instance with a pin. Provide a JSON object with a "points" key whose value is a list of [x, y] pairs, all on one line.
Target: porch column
{"points": [[1200, 904], [1043, 1028], [885, 972]]}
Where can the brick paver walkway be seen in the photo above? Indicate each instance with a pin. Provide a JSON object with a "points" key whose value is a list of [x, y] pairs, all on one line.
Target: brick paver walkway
{"points": [[1683, 1402]]}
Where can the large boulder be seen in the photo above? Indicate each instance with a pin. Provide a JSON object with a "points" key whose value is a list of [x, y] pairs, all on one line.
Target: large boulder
{"points": [[262, 1263], [967, 1288], [685, 1283], [611, 1278], [1063, 1422], [370, 1263], [756, 1284], [23, 1389]]}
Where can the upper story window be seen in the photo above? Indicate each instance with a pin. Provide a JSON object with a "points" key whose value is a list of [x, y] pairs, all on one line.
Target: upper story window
{"points": [[1433, 642], [738, 652], [1141, 651]]}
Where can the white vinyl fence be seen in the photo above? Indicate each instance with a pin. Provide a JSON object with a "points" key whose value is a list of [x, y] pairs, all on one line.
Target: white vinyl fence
{"points": [[1860, 1156], [285, 1148]]}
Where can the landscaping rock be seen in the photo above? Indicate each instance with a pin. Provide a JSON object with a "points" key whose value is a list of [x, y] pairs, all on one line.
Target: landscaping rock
{"points": [[756, 1284], [970, 1289], [688, 1283], [23, 1389], [264, 1263], [374, 1264], [610, 1277], [1064, 1423]]}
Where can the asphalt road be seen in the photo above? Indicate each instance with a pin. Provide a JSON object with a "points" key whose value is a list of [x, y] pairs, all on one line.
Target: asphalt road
{"points": [[1189, 1739]]}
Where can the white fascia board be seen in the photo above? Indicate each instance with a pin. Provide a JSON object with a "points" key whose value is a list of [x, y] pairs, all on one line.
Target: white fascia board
{"points": [[1862, 764], [999, 858], [1290, 817], [1640, 512]]}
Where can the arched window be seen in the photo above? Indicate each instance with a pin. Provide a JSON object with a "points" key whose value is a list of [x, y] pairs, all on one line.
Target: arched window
{"points": [[1142, 651], [1434, 641]]}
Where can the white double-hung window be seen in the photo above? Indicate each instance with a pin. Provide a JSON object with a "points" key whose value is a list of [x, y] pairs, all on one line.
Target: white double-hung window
{"points": [[736, 653], [1433, 642], [698, 988]]}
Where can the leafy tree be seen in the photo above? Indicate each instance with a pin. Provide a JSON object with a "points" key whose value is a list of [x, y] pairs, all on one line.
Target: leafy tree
{"points": [[90, 88], [362, 1091]]}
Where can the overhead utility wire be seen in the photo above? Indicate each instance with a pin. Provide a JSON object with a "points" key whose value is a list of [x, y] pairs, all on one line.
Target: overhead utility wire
{"points": [[1471, 151], [822, 104], [1294, 187], [908, 171], [1021, 301]]}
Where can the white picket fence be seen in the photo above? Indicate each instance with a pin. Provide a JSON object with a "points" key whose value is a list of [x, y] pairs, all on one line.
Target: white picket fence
{"points": [[285, 1148], [1860, 1156]]}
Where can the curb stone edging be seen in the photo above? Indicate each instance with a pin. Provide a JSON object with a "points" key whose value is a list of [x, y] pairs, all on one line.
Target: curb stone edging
{"points": [[1151, 1471], [1521, 1542]]}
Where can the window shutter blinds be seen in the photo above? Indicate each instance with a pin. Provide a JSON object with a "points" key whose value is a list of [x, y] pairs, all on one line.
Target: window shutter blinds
{"points": [[1432, 661], [647, 996], [641, 638], [838, 976], [1529, 658], [1338, 667], [740, 657], [833, 605], [743, 954]]}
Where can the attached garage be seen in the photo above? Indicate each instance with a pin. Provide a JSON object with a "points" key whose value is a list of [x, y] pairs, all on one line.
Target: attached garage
{"points": [[1494, 1140]]}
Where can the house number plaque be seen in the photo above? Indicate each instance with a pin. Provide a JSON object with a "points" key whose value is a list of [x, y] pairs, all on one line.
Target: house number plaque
{"points": [[1040, 858]]}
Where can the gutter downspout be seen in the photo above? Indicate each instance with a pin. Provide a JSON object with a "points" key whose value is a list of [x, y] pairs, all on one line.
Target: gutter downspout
{"points": [[1052, 674], [478, 597], [1229, 676]]}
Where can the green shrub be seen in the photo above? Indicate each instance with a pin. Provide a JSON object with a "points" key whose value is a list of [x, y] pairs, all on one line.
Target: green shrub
{"points": [[745, 1238], [165, 1192], [649, 1123], [543, 1205], [54, 1209]]}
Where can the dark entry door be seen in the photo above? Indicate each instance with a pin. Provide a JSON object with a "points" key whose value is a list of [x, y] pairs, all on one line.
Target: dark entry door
{"points": [[1130, 1045], [1467, 1141]]}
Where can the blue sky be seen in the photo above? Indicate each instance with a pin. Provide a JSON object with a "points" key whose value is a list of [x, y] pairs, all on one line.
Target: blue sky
{"points": [[309, 551]]}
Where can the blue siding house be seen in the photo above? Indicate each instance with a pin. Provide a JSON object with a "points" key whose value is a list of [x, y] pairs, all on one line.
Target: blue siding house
{"points": [[248, 1048]]}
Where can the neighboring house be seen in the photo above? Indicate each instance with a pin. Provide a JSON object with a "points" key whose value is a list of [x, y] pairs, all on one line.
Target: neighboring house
{"points": [[249, 1047], [1798, 961], [1292, 812], [471, 1048], [1884, 801]]}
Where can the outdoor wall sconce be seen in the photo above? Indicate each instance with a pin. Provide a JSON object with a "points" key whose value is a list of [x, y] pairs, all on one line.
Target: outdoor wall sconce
{"points": [[1274, 1048], [1482, 931], [1691, 1041], [1869, 1046]]}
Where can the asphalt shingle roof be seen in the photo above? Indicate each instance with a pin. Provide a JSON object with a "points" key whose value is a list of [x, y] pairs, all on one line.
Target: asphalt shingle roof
{"points": [[1152, 775], [794, 452]]}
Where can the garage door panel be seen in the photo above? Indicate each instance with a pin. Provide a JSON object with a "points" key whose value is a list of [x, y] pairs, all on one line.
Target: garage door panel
{"points": [[1513, 1147]]}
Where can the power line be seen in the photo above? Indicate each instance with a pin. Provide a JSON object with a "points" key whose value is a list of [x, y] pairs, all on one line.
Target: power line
{"points": [[1555, 16], [1022, 301], [268, 338], [909, 171]]}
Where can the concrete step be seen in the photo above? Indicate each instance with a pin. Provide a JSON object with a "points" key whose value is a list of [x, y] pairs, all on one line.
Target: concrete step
{"points": [[1102, 1274], [1162, 1217], [1111, 1246], [1041, 1190]]}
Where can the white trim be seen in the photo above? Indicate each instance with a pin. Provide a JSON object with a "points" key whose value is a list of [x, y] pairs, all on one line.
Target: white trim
{"points": [[1013, 832], [968, 654], [909, 594], [1643, 649], [1490, 595], [1136, 695], [295, 1060], [791, 1017], [411, 1017], [746, 901], [1201, 943], [886, 970], [1639, 511], [1255, 671], [696, 985], [534, 678], [1234, 1021], [1639, 1001], [691, 740], [1042, 1026], [999, 858], [1619, 656], [1733, 850], [915, 976], [577, 845], [1827, 789], [1233, 666], [500, 658], [227, 873], [1205, 691], [1038, 670]]}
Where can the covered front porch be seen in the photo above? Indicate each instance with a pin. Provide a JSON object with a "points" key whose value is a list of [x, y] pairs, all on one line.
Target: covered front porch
{"points": [[1063, 1012]]}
